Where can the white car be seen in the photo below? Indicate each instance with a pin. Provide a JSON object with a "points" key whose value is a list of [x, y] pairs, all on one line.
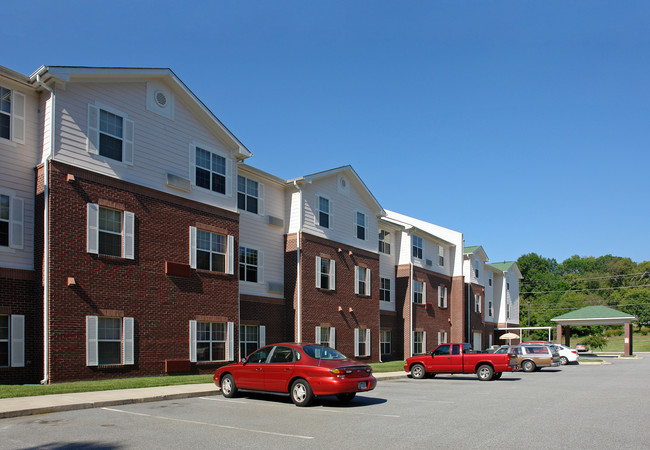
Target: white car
{"points": [[567, 354]]}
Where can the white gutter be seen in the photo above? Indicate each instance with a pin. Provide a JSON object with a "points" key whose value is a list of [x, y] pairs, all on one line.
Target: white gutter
{"points": [[298, 337], [46, 234]]}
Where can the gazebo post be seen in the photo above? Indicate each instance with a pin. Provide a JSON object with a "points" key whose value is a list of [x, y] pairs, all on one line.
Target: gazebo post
{"points": [[567, 336], [559, 333], [627, 347]]}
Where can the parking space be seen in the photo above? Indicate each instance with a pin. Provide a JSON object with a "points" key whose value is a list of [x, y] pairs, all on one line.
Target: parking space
{"points": [[585, 406]]}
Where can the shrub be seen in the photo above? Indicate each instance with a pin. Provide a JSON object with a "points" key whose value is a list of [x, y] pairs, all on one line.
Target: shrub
{"points": [[595, 342], [613, 332], [645, 331]]}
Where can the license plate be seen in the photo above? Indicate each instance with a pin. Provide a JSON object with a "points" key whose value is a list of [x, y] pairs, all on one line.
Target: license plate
{"points": [[363, 385]]}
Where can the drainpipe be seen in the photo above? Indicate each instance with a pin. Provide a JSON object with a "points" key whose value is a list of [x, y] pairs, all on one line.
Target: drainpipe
{"points": [[298, 337], [46, 234], [469, 310], [411, 308]]}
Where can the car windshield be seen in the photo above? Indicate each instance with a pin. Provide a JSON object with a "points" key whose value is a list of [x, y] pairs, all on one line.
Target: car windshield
{"points": [[323, 352]]}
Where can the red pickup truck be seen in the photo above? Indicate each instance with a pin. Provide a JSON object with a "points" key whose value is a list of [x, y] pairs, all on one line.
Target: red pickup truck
{"points": [[459, 358]]}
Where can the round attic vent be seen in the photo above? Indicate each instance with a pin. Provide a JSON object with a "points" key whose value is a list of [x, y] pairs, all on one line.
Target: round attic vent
{"points": [[343, 183], [160, 98]]}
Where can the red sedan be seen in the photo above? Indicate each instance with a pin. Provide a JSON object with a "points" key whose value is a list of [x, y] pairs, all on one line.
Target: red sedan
{"points": [[302, 371]]}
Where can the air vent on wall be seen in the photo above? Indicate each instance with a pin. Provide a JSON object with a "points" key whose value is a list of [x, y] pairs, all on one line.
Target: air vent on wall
{"points": [[429, 262], [160, 98], [176, 182], [275, 286], [276, 222]]}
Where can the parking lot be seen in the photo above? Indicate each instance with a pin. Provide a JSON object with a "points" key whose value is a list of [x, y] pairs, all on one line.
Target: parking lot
{"points": [[585, 406]]}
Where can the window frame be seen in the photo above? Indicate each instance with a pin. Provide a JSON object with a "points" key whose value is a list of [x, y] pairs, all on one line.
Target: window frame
{"points": [[383, 291], [442, 297], [259, 342], [384, 241], [362, 281], [417, 247], [259, 266], [441, 256], [360, 228], [16, 114], [330, 275], [127, 354], [329, 331], [419, 292], [15, 341], [127, 240], [259, 198], [93, 143], [362, 341], [230, 341], [319, 211], [229, 262], [419, 342], [385, 342]]}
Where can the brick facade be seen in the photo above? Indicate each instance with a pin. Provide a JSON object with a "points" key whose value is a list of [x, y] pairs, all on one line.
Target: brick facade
{"points": [[161, 305]]}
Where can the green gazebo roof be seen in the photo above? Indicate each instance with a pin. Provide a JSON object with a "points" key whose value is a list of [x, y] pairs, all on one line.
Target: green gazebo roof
{"points": [[594, 315]]}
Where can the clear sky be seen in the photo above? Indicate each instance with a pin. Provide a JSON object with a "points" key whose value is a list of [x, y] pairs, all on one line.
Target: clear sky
{"points": [[523, 124]]}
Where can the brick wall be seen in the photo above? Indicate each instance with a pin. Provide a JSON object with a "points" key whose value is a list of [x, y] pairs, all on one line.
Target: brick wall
{"points": [[270, 312], [161, 305]]}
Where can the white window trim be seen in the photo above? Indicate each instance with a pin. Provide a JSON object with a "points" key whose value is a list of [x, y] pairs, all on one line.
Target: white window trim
{"points": [[260, 264], [387, 233], [424, 343], [92, 341], [230, 168], [92, 231], [16, 340], [390, 290], [332, 337], [317, 211], [332, 273], [413, 246], [128, 131], [367, 342], [16, 220], [367, 290], [230, 252], [230, 341], [260, 196], [355, 224], [16, 116], [424, 293], [441, 256]]}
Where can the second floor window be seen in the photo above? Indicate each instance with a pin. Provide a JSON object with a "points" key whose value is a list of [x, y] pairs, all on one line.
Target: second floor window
{"points": [[384, 289], [210, 171], [441, 256], [248, 264], [362, 280], [248, 194], [417, 247], [110, 231], [4, 220], [384, 242], [418, 292], [5, 113], [210, 251], [325, 273]]}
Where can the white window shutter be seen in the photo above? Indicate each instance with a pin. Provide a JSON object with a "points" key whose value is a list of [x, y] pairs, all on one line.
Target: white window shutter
{"points": [[317, 210], [127, 143], [231, 341], [318, 262], [424, 292], [445, 297], [260, 199], [129, 235], [230, 176], [332, 275], [231, 255], [333, 337], [129, 356], [193, 247], [17, 341], [18, 118], [92, 145], [368, 342], [368, 290], [439, 338], [92, 350], [17, 232], [262, 330], [192, 340], [317, 340], [356, 342], [356, 279], [424, 342], [439, 296], [92, 241]]}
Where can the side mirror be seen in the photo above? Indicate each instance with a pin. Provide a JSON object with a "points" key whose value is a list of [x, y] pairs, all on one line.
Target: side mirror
{"points": [[244, 361]]}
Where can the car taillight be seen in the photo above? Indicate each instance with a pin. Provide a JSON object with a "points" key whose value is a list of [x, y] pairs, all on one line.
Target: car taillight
{"points": [[341, 371], [574, 352]]}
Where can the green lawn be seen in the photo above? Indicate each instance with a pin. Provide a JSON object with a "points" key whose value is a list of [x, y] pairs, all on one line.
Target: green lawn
{"points": [[640, 343]]}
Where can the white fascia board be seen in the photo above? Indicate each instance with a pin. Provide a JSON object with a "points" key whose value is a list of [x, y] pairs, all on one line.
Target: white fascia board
{"points": [[595, 321], [245, 168]]}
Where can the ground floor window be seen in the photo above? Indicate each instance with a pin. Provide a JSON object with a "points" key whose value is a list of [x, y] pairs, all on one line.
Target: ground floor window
{"points": [[251, 337], [362, 342], [326, 336], [109, 340], [385, 342], [419, 342], [4, 341], [210, 341]]}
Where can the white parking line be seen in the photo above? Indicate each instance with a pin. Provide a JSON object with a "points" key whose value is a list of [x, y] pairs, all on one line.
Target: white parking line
{"points": [[229, 427], [225, 400]]}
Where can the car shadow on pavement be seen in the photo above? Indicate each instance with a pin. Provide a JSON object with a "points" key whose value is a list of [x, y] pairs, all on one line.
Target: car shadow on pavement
{"points": [[328, 401], [464, 378]]}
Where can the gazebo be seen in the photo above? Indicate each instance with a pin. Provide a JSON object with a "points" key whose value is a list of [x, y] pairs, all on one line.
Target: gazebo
{"points": [[595, 315]]}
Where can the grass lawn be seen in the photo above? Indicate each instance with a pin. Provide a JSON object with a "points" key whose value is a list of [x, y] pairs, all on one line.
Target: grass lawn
{"points": [[640, 343]]}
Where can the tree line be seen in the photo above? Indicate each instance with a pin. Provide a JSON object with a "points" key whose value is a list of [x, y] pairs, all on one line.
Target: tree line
{"points": [[550, 289]]}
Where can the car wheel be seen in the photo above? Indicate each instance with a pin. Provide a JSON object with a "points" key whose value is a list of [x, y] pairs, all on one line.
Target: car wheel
{"points": [[301, 393], [418, 372], [346, 397], [528, 366], [228, 386], [484, 372], [564, 360], [497, 375]]}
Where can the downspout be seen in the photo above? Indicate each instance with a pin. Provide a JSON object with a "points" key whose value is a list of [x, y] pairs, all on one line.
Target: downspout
{"points": [[469, 309], [298, 337], [411, 309], [46, 234]]}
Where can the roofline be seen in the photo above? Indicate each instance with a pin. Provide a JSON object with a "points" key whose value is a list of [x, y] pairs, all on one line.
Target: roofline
{"points": [[408, 227], [64, 73], [269, 176], [15, 76]]}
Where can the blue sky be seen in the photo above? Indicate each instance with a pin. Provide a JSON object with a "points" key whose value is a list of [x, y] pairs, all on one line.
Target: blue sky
{"points": [[525, 125]]}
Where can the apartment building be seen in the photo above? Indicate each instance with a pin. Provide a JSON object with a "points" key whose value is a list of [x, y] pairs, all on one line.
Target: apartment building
{"points": [[135, 239]]}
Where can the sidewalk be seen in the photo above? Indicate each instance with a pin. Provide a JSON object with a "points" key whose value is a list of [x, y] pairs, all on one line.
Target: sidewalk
{"points": [[43, 404]]}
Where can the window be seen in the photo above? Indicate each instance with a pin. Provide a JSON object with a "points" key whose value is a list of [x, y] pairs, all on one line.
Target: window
{"points": [[384, 289], [442, 338], [249, 195], [210, 341], [490, 279], [419, 342], [326, 335], [249, 264], [385, 342], [476, 269], [109, 340], [12, 340], [362, 342], [361, 280], [110, 232], [4, 341], [251, 337], [441, 256], [110, 134], [360, 225], [12, 115], [477, 303], [442, 296], [384, 242], [417, 247], [325, 273], [211, 171], [490, 309], [322, 211], [4, 220], [212, 251], [418, 292]]}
